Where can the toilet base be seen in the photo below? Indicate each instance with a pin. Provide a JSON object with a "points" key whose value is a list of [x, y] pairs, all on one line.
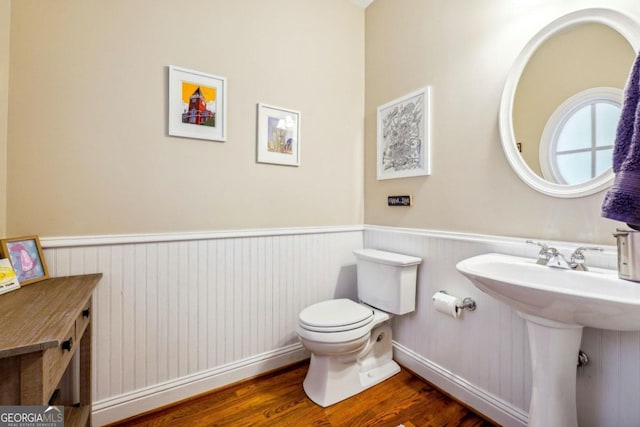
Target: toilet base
{"points": [[331, 379]]}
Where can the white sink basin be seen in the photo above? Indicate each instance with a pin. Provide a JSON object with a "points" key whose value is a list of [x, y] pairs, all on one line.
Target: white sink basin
{"points": [[556, 304], [595, 298]]}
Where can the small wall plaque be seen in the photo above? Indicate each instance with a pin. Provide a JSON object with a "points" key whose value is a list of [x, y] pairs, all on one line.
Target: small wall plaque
{"points": [[400, 200]]}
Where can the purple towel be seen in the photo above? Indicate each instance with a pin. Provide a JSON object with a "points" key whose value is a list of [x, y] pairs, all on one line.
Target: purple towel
{"points": [[622, 202]]}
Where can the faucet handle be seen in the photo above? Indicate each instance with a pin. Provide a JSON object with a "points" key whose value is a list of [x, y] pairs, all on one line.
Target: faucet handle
{"points": [[577, 257], [543, 246], [545, 251], [578, 253]]}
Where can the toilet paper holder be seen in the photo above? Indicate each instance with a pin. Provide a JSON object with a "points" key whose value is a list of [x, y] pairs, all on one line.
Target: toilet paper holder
{"points": [[467, 303]]}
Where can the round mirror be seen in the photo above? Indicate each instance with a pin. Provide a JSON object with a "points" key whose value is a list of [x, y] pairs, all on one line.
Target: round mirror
{"points": [[562, 99]]}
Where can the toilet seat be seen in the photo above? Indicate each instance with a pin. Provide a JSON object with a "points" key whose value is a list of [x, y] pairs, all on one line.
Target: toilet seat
{"points": [[335, 321], [336, 315]]}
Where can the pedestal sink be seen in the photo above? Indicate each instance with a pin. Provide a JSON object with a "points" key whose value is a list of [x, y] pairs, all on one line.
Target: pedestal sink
{"points": [[556, 305]]}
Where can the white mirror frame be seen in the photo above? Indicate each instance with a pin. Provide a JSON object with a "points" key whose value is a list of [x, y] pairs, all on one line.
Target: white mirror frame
{"points": [[623, 24]]}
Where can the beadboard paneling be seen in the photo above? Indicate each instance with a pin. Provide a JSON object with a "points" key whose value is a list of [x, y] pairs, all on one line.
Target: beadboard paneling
{"points": [[488, 347], [173, 310], [169, 309]]}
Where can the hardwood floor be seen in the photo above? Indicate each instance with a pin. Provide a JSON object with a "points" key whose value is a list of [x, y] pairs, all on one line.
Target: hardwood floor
{"points": [[277, 399]]}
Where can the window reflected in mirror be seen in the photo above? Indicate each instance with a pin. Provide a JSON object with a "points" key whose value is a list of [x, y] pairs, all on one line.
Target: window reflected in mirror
{"points": [[578, 139]]}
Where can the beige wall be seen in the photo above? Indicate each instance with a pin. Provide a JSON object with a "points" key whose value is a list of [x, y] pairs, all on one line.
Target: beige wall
{"points": [[87, 134], [5, 20], [87, 145], [464, 51], [589, 56]]}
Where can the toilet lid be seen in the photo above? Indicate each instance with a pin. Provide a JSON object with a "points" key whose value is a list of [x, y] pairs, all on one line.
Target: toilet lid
{"points": [[335, 315]]}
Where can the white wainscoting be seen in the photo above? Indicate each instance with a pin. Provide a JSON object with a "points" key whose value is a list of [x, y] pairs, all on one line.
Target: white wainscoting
{"points": [[483, 357], [179, 314]]}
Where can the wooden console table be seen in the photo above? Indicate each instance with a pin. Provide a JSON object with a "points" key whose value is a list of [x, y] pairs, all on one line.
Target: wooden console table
{"points": [[41, 327]]}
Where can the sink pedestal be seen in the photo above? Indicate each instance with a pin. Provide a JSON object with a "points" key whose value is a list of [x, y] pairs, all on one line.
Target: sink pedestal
{"points": [[554, 350], [557, 304]]}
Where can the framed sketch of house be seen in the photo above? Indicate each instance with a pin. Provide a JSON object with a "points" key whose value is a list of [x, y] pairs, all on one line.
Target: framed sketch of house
{"points": [[197, 104], [403, 146]]}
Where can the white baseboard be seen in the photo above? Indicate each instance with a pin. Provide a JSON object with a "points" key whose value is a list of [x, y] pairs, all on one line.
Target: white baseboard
{"points": [[143, 400], [491, 406]]}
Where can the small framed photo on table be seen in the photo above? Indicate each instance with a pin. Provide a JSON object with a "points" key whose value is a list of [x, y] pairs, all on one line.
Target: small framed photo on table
{"points": [[27, 259], [8, 279]]}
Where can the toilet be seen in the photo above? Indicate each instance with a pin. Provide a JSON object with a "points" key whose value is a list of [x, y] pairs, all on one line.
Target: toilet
{"points": [[350, 342]]}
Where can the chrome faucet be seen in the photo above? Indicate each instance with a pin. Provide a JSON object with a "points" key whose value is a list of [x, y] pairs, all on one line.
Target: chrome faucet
{"points": [[551, 257], [577, 257], [556, 259], [543, 255]]}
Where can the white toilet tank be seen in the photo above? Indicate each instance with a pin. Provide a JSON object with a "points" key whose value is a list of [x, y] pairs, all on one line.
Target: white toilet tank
{"points": [[386, 280]]}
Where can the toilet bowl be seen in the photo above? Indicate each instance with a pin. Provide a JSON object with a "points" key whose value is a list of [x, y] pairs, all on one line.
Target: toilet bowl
{"points": [[350, 343], [349, 358]]}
